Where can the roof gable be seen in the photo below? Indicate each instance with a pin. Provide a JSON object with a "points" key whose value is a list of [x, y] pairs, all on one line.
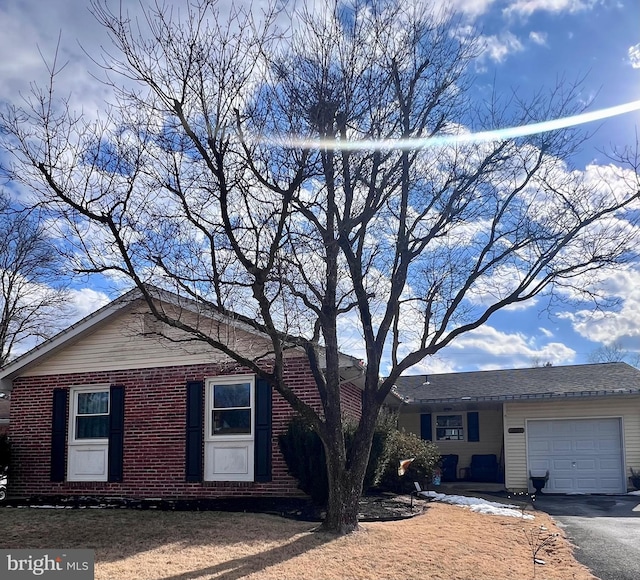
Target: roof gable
{"points": [[124, 335], [125, 318]]}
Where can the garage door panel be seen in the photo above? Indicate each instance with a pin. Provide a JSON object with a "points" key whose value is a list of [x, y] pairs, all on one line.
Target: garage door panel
{"points": [[564, 485], [586, 465], [581, 428], [608, 427], [609, 446], [560, 464], [609, 462], [582, 455], [559, 429], [539, 466], [540, 428], [586, 445], [541, 446], [560, 446], [586, 483]]}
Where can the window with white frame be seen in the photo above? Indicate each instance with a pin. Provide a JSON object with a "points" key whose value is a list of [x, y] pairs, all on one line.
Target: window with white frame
{"points": [[229, 429], [88, 442], [91, 414], [230, 409], [449, 427]]}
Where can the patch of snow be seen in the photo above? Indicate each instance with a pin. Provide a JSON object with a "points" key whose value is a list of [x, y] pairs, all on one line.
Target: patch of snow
{"points": [[478, 505], [634, 492]]}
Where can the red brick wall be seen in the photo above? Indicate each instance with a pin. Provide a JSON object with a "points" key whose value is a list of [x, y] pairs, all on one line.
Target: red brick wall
{"points": [[4, 428], [351, 400], [154, 444]]}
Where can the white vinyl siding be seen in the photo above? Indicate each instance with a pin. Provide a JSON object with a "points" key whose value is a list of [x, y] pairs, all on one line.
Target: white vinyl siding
{"points": [[120, 344], [491, 435], [517, 413]]}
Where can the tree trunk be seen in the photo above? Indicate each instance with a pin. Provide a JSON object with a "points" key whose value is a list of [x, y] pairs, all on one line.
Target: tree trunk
{"points": [[346, 480], [343, 503]]}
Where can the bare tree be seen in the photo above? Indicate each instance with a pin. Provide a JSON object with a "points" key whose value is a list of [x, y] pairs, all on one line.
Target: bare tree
{"points": [[614, 352], [283, 180], [30, 291]]}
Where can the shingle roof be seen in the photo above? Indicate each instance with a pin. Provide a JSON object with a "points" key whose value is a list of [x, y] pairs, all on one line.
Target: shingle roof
{"points": [[503, 385], [350, 366]]}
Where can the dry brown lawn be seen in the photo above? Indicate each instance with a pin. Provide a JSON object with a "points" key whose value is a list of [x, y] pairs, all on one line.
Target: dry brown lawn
{"points": [[444, 542]]}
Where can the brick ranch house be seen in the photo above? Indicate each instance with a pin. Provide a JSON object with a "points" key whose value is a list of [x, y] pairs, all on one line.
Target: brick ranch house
{"points": [[109, 407]]}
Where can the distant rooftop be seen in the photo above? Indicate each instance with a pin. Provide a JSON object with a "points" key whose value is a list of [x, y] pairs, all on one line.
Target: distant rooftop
{"points": [[532, 383]]}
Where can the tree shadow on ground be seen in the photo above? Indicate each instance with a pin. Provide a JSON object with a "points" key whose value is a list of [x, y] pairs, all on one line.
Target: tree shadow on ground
{"points": [[117, 535], [241, 567], [120, 534]]}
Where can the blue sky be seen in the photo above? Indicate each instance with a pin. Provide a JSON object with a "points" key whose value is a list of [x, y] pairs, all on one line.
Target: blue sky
{"points": [[527, 45]]}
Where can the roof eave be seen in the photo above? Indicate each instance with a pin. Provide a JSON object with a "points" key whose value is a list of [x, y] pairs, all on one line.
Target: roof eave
{"points": [[525, 397]]}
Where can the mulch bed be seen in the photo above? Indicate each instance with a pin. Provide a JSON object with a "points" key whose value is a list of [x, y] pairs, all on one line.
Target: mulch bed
{"points": [[375, 507]]}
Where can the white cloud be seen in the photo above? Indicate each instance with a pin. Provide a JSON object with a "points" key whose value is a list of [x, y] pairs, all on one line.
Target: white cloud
{"points": [[634, 55], [472, 8], [434, 365], [621, 324], [498, 48], [31, 31], [83, 302], [528, 7], [488, 348], [538, 37], [545, 332]]}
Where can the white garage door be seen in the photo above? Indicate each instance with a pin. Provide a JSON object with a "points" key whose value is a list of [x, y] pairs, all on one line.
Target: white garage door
{"points": [[581, 455]]}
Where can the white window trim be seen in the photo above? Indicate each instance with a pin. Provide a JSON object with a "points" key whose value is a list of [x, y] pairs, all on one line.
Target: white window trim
{"points": [[229, 380], [73, 395], [240, 443], [464, 427]]}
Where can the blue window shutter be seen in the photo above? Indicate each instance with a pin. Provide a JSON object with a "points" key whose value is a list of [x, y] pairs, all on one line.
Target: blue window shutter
{"points": [[473, 426], [425, 427], [262, 441], [116, 433], [195, 431], [59, 434]]}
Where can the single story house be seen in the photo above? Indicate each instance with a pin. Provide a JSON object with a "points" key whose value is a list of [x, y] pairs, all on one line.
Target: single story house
{"points": [[119, 405], [579, 424], [4, 415]]}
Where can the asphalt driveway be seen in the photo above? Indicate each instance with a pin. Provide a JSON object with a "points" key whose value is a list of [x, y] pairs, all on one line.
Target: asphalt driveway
{"points": [[605, 530]]}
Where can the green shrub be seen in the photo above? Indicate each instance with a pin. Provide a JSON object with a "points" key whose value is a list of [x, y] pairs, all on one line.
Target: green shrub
{"points": [[402, 445], [5, 452], [305, 457], [386, 426]]}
